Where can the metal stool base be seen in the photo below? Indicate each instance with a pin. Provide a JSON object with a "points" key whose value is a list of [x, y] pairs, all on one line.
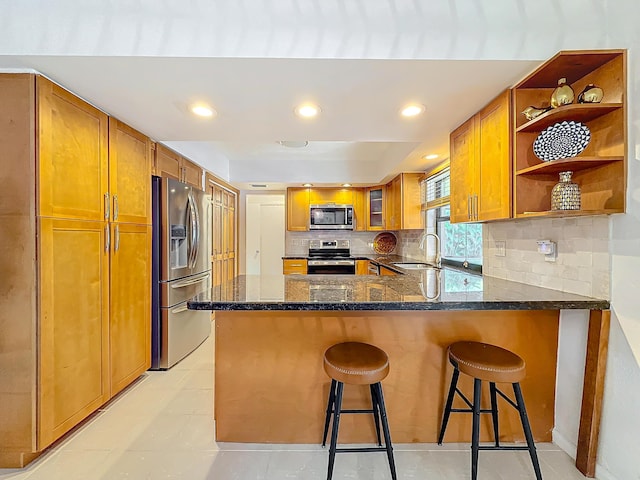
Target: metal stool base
{"points": [[334, 410]]}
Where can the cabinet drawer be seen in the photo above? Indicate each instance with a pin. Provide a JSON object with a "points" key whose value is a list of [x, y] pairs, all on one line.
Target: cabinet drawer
{"points": [[294, 267]]}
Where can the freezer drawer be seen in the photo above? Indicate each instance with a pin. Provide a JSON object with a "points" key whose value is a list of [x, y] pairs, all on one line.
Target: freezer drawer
{"points": [[182, 331], [181, 290]]}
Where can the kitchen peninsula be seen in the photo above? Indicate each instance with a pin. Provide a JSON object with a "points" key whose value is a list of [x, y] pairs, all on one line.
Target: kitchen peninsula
{"points": [[271, 333]]}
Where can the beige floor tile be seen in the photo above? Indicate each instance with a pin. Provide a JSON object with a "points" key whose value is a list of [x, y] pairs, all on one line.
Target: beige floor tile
{"points": [[162, 428]]}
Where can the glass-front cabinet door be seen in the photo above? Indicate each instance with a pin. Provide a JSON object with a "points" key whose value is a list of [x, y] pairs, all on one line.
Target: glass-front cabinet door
{"points": [[375, 208]]}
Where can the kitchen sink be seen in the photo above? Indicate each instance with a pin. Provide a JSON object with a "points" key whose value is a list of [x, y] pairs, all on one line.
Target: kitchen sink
{"points": [[413, 266]]}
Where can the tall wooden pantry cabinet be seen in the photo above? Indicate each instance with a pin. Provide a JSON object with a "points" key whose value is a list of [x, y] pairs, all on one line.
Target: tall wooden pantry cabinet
{"points": [[74, 262]]}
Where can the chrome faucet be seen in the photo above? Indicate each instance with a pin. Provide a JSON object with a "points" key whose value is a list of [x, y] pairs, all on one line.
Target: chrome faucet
{"points": [[423, 245]]}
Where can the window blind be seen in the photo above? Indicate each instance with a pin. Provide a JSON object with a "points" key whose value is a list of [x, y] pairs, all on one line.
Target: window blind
{"points": [[435, 190]]}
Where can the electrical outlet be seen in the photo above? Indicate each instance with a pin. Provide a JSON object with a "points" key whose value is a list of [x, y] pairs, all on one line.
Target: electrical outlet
{"points": [[501, 248]]}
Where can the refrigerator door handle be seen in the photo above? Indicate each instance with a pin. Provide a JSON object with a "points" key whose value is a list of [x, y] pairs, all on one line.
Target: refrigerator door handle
{"points": [[191, 281], [192, 230], [197, 235]]}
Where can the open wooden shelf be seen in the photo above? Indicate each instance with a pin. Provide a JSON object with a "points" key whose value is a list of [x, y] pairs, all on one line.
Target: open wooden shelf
{"points": [[601, 170], [570, 64], [568, 164], [568, 213], [579, 112]]}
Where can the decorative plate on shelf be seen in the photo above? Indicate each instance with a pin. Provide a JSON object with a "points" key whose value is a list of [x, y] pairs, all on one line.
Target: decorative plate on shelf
{"points": [[562, 140], [384, 243]]}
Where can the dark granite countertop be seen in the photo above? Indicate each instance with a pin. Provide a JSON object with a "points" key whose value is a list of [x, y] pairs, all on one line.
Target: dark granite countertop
{"points": [[384, 260], [432, 289]]}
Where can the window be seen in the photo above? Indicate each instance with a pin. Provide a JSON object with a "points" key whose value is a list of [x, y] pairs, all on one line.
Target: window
{"points": [[460, 243]]}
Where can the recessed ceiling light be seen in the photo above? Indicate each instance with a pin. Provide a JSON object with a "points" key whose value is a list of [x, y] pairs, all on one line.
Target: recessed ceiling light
{"points": [[346, 184], [293, 144], [203, 110], [307, 184], [412, 110], [431, 156], [307, 110]]}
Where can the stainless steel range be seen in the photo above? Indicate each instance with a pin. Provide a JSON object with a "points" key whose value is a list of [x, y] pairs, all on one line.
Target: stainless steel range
{"points": [[330, 257]]}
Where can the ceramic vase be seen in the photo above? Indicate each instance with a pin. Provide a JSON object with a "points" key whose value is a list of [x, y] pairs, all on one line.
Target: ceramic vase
{"points": [[565, 194]]}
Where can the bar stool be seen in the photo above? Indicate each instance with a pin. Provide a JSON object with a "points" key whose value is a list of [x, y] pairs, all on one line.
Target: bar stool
{"points": [[494, 365], [356, 363]]}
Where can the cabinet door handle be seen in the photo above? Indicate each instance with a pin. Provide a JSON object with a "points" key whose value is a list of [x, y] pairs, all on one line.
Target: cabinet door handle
{"points": [[107, 236], [107, 206], [475, 203], [469, 207], [116, 241], [116, 208]]}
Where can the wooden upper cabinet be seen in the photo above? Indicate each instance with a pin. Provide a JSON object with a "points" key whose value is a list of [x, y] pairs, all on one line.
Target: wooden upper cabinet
{"points": [[192, 173], [323, 196], [394, 204], [129, 313], [297, 209], [168, 163], [494, 154], [462, 167], [171, 164], [480, 157], [74, 324], [403, 204], [73, 155], [359, 210], [129, 174]]}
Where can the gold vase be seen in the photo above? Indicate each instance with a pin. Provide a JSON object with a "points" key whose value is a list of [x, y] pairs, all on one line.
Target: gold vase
{"points": [[562, 95], [591, 94]]}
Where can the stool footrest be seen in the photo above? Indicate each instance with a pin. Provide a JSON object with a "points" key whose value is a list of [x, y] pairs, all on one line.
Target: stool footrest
{"points": [[466, 410], [356, 411], [488, 447], [361, 449]]}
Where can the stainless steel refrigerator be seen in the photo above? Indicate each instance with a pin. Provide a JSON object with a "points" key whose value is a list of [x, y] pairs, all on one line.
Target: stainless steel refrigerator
{"points": [[181, 269]]}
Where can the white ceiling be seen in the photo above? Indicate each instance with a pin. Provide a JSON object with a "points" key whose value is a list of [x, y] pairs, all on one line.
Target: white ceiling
{"points": [[146, 61], [359, 129]]}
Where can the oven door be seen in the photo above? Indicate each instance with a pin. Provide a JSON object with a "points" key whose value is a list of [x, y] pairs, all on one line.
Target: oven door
{"points": [[331, 267]]}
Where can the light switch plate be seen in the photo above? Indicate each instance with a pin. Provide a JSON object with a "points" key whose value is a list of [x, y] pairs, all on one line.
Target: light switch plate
{"points": [[501, 248]]}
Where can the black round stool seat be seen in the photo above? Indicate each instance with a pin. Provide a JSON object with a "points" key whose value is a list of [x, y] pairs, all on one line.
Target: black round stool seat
{"points": [[356, 363]]}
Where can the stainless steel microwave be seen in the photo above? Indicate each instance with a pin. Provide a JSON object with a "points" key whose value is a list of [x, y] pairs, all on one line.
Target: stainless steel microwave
{"points": [[331, 217]]}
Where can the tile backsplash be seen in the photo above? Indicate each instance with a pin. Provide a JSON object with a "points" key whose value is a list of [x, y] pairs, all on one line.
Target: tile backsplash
{"points": [[297, 243], [582, 265]]}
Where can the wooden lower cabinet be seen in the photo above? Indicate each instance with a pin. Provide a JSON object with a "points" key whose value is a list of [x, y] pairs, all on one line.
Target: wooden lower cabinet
{"points": [[386, 271], [74, 324], [362, 267], [130, 297], [294, 266]]}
